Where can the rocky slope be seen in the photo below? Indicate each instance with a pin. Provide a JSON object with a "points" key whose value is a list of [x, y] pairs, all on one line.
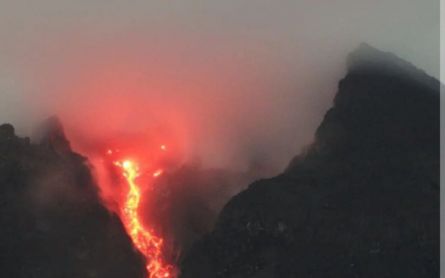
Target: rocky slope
{"points": [[52, 223], [363, 201]]}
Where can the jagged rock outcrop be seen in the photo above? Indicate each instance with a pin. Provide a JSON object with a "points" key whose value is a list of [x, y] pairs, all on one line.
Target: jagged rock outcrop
{"points": [[52, 222], [363, 201]]}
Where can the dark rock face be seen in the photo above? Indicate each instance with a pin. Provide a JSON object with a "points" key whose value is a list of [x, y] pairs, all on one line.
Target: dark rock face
{"points": [[186, 202], [362, 202], [52, 223]]}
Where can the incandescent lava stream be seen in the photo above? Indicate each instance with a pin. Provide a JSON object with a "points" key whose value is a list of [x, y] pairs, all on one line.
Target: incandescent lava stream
{"points": [[145, 239]]}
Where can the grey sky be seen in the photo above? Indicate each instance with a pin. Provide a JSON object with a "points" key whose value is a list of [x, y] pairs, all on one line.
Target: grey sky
{"points": [[290, 52]]}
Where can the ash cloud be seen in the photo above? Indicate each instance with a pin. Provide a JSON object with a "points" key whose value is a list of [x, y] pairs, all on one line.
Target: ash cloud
{"points": [[237, 82]]}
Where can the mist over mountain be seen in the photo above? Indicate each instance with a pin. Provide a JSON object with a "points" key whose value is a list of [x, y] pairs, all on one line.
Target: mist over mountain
{"points": [[237, 81], [362, 201], [53, 222], [214, 139]]}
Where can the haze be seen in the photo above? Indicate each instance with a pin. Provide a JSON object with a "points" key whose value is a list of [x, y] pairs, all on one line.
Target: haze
{"points": [[238, 81]]}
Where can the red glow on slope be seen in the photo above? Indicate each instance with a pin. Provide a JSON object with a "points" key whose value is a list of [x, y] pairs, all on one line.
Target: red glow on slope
{"points": [[145, 240], [129, 168]]}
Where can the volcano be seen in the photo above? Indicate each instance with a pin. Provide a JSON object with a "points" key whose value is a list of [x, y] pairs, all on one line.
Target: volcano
{"points": [[361, 201], [132, 209]]}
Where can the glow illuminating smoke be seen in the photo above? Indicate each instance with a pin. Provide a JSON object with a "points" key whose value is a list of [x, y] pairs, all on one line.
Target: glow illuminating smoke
{"points": [[246, 82]]}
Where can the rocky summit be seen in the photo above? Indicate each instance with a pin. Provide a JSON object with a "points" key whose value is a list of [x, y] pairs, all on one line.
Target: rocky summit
{"points": [[362, 201], [52, 222]]}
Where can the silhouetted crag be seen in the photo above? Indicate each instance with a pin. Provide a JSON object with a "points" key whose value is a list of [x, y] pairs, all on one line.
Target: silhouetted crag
{"points": [[51, 221], [363, 201]]}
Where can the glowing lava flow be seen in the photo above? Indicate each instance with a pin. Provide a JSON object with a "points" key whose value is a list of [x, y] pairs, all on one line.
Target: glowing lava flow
{"points": [[145, 241]]}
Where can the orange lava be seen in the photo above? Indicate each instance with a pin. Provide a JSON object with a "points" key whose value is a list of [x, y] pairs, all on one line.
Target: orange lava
{"points": [[149, 244]]}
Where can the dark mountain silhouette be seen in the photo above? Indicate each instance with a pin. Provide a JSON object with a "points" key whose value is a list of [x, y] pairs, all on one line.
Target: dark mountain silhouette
{"points": [[52, 222], [362, 201]]}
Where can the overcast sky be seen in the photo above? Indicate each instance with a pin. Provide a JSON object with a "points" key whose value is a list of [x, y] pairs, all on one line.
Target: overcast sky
{"points": [[263, 72]]}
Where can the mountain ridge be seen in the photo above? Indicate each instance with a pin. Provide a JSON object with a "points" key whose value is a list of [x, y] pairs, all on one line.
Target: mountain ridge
{"points": [[363, 201]]}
